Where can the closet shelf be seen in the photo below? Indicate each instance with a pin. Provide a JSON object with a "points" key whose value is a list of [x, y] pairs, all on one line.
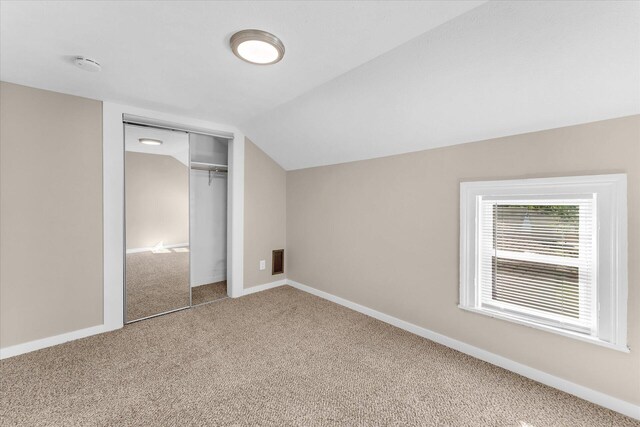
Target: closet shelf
{"points": [[209, 167]]}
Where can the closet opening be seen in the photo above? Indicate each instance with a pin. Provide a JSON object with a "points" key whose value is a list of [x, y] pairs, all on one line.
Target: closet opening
{"points": [[208, 217], [175, 216]]}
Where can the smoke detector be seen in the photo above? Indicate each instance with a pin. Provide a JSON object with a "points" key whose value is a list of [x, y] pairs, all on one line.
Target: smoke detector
{"points": [[87, 64]]}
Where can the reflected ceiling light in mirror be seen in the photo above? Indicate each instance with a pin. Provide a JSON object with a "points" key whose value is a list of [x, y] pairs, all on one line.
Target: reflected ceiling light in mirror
{"points": [[257, 47], [149, 141]]}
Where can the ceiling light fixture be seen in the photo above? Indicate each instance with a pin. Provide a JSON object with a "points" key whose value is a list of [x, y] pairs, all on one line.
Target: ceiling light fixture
{"points": [[149, 141], [257, 47], [87, 64]]}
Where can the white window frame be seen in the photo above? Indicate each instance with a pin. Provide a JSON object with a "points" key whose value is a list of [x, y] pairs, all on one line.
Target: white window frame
{"points": [[610, 192]]}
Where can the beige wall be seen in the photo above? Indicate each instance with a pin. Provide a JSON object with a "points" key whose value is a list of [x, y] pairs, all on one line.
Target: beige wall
{"points": [[157, 200], [50, 214], [264, 214], [385, 233]]}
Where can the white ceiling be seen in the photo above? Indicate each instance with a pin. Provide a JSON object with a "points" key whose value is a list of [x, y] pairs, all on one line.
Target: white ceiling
{"points": [[358, 80], [174, 56], [502, 69], [174, 144]]}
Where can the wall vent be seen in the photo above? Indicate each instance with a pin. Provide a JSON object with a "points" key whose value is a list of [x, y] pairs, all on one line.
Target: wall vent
{"points": [[277, 258]]}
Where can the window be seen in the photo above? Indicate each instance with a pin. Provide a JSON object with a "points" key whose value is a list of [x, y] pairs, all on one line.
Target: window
{"points": [[548, 253]]}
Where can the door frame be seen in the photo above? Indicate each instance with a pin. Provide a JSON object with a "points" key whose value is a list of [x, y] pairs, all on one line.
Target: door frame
{"points": [[113, 201]]}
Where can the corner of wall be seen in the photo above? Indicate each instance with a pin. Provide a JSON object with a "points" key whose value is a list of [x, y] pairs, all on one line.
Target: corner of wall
{"points": [[265, 215]]}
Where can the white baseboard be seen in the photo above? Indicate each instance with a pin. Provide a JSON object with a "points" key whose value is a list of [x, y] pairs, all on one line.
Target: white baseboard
{"points": [[260, 288], [30, 346], [610, 402]]}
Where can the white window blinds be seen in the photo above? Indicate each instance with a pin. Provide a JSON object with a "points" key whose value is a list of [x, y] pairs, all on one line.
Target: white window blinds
{"points": [[536, 260]]}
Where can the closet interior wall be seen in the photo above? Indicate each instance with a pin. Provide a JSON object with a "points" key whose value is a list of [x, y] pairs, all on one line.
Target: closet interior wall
{"points": [[208, 212]]}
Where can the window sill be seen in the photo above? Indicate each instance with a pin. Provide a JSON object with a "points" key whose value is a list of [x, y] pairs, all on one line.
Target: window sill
{"points": [[548, 328]]}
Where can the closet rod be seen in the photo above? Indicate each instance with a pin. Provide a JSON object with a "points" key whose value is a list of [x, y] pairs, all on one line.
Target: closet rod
{"points": [[209, 167]]}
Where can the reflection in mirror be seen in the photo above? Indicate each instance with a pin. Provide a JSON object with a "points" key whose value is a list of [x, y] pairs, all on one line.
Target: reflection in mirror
{"points": [[208, 218], [156, 221]]}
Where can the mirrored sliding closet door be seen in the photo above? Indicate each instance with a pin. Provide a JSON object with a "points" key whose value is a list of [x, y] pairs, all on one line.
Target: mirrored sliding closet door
{"points": [[157, 267]]}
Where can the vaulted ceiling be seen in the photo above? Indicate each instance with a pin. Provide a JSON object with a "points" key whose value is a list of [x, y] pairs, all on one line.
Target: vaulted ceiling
{"points": [[358, 80], [503, 68]]}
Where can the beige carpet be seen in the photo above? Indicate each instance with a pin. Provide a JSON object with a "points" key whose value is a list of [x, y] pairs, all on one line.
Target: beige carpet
{"points": [[275, 358], [156, 283], [208, 293]]}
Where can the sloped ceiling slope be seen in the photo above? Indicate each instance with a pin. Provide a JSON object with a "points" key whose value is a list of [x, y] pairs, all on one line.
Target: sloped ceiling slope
{"points": [[503, 68]]}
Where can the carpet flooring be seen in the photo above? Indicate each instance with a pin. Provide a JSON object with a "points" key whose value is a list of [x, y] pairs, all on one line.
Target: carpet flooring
{"points": [[275, 358], [208, 293], [156, 282]]}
